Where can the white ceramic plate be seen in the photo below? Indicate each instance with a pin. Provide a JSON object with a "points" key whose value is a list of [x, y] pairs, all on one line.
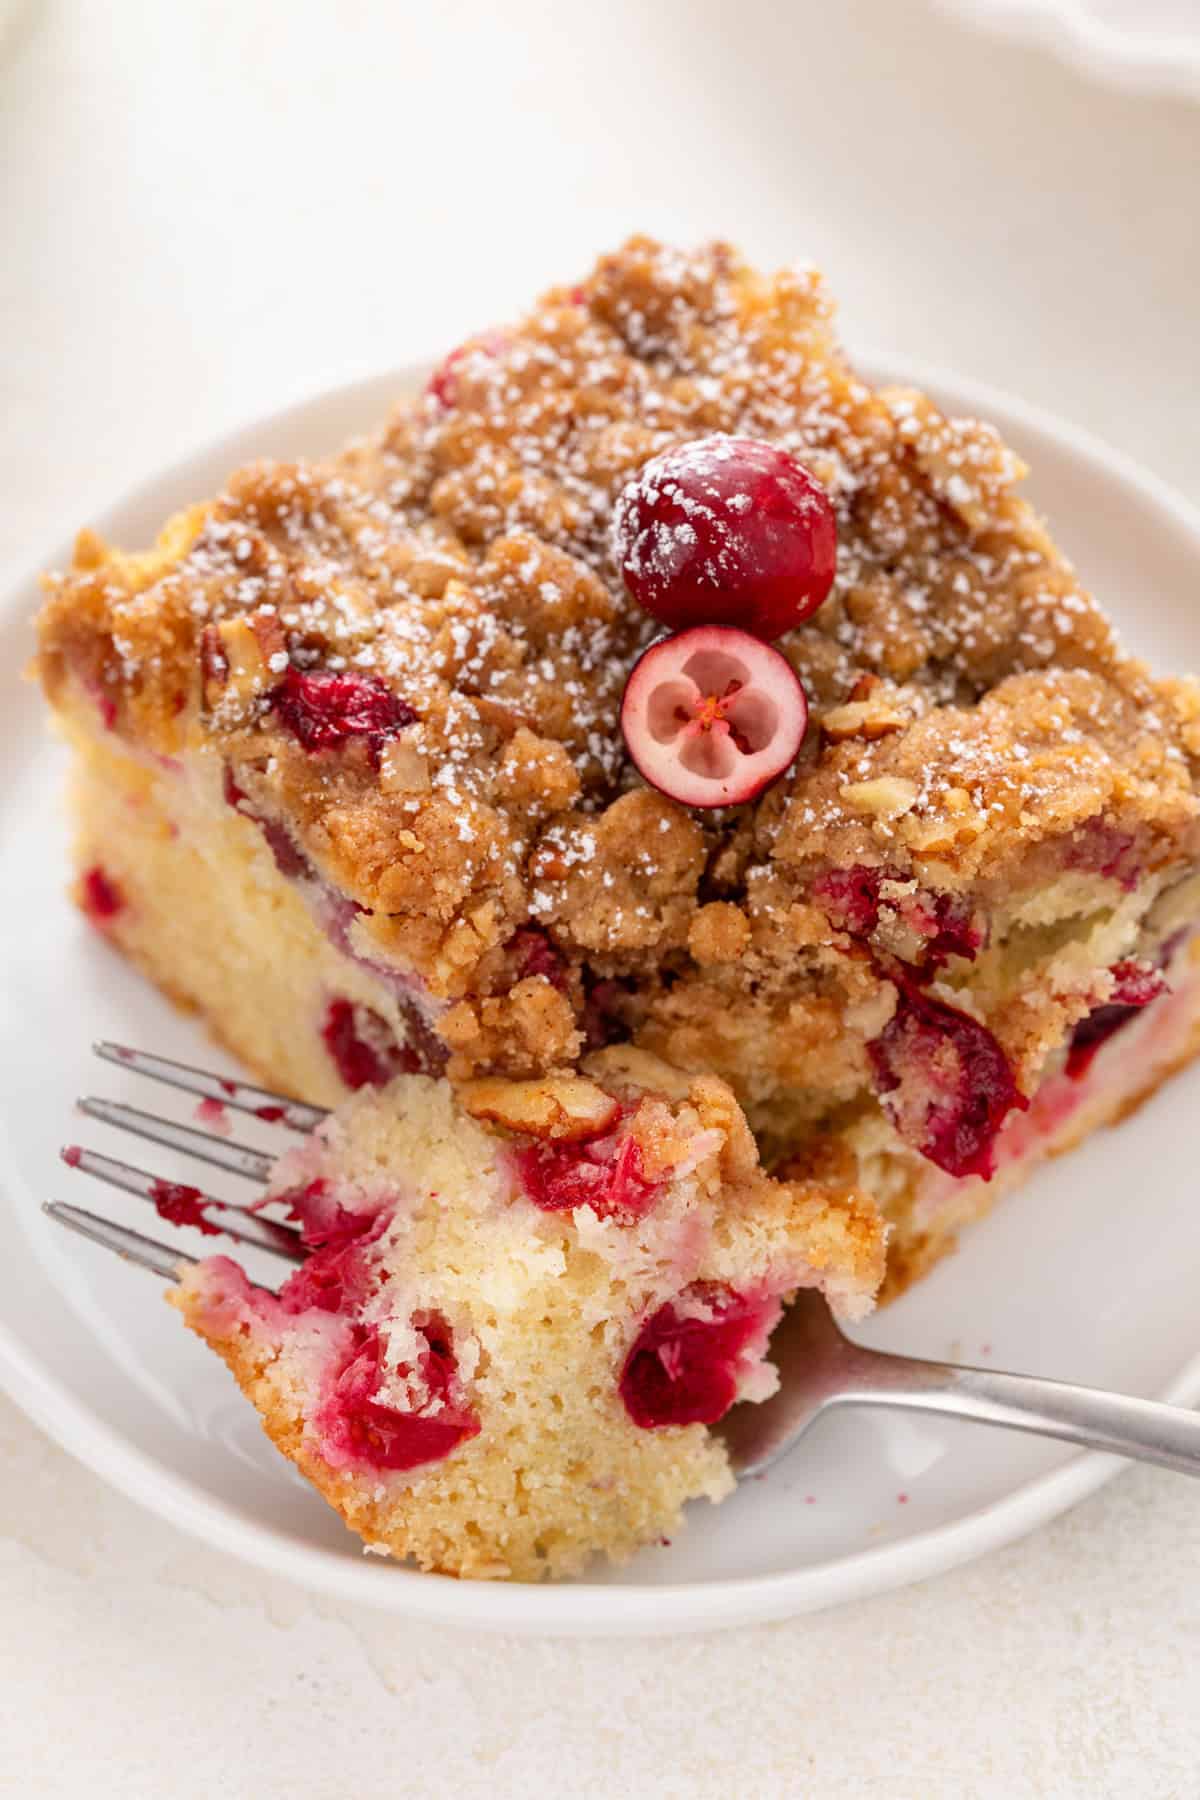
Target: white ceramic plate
{"points": [[1090, 1274], [1146, 46]]}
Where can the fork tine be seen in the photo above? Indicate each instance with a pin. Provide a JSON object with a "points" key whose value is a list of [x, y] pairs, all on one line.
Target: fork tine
{"points": [[236, 1159], [241, 1095], [235, 1222], [131, 1246]]}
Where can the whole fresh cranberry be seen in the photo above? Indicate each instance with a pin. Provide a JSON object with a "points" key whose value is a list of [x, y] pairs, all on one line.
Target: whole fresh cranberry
{"points": [[713, 716], [726, 531]]}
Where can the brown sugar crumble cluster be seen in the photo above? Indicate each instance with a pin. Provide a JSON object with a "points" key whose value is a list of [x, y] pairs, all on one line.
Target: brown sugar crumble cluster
{"points": [[355, 725]]}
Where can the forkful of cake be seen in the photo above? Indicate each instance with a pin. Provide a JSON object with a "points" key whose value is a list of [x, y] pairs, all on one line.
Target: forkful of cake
{"points": [[522, 1327]]}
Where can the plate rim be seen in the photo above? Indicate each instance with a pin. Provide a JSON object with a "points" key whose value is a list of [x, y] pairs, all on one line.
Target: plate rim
{"points": [[579, 1608], [1167, 63]]}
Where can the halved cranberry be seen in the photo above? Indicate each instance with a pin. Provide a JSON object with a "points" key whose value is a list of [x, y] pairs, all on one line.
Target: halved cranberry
{"points": [[686, 1370], [1136, 984], [102, 898], [946, 1082], [726, 531], [605, 1173], [358, 1430], [362, 1046], [325, 708], [713, 716]]}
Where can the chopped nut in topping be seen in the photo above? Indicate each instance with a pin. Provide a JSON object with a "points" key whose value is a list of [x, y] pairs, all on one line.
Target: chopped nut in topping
{"points": [[869, 719], [887, 797], [402, 767], [557, 1107]]}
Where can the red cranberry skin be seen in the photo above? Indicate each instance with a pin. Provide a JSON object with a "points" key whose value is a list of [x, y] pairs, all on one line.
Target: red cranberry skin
{"points": [[606, 1174], [713, 716], [363, 1048], [337, 1276], [945, 1082], [182, 1205], [726, 531], [358, 1431], [102, 898], [851, 900], [686, 1370], [1134, 985], [324, 709], [292, 865], [534, 955]]}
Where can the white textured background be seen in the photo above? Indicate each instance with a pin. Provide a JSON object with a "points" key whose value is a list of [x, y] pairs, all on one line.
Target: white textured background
{"points": [[208, 209]]}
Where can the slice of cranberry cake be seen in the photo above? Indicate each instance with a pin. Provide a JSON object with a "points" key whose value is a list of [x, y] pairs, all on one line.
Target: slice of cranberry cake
{"points": [[362, 773], [523, 1309]]}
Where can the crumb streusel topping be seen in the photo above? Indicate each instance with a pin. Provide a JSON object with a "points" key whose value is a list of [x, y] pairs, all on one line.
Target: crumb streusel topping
{"points": [[975, 724]]}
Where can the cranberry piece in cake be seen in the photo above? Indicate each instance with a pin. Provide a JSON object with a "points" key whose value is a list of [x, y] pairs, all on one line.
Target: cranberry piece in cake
{"points": [[101, 897], [443, 384], [713, 716], [606, 1173], [1135, 984], [686, 1368], [362, 1433], [363, 1048], [726, 531], [940, 925], [945, 1081], [325, 708]]}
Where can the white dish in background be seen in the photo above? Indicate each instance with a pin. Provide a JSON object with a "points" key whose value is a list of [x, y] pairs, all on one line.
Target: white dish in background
{"points": [[1088, 1274], [1147, 46]]}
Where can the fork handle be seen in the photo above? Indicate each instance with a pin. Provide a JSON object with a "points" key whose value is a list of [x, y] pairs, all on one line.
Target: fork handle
{"points": [[1147, 1430]]}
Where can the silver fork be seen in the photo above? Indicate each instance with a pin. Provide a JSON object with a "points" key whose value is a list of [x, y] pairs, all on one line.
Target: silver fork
{"points": [[244, 1224], [819, 1368]]}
